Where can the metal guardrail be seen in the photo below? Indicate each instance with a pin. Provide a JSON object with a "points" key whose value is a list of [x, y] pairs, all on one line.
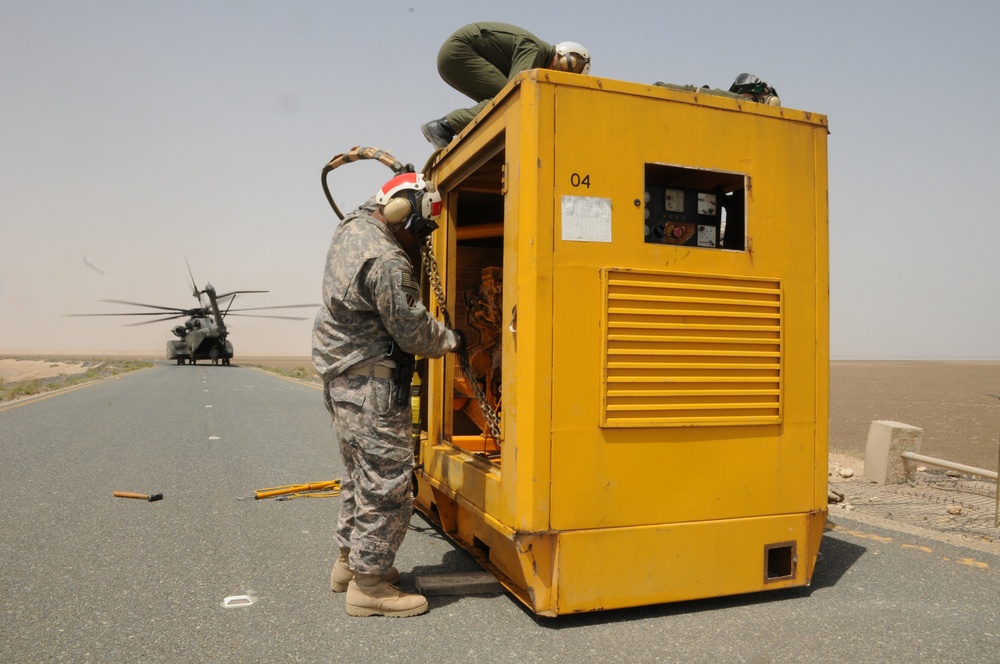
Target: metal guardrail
{"points": [[961, 468], [950, 465]]}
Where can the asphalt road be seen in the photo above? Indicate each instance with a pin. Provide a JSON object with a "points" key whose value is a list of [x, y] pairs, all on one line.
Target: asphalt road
{"points": [[89, 577]]}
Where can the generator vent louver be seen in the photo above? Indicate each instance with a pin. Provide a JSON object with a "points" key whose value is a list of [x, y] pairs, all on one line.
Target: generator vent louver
{"points": [[690, 350]]}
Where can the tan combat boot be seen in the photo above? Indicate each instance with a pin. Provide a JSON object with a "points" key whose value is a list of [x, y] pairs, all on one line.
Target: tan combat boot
{"points": [[341, 573], [370, 595]]}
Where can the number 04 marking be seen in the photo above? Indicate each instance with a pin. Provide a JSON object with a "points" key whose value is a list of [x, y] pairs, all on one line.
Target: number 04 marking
{"points": [[578, 180]]}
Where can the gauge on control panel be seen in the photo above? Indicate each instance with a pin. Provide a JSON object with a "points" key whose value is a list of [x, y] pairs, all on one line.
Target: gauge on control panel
{"points": [[706, 204], [673, 200]]}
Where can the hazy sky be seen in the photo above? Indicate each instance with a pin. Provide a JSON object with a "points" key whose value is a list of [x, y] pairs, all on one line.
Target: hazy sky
{"points": [[135, 134]]}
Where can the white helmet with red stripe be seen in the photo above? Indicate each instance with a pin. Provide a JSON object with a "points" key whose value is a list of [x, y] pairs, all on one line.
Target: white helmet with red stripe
{"points": [[408, 195]]}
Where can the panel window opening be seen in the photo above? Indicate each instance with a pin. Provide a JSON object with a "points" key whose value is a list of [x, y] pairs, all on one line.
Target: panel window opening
{"points": [[694, 208]]}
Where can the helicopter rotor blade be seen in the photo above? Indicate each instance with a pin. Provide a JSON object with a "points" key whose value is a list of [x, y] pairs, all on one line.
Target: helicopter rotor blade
{"points": [[232, 295], [151, 306], [221, 300], [280, 306], [133, 313], [156, 320], [266, 316], [235, 292], [194, 286], [232, 298]]}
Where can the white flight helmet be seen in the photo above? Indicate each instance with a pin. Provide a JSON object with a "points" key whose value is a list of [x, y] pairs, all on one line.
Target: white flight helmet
{"points": [[572, 57], [406, 196]]}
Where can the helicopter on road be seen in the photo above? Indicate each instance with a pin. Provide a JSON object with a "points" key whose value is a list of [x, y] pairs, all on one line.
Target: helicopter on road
{"points": [[204, 336]]}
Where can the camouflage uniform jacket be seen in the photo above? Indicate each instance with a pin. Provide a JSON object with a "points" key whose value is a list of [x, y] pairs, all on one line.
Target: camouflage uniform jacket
{"points": [[369, 299]]}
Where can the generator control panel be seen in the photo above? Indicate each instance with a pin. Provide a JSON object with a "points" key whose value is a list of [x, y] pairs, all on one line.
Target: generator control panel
{"points": [[688, 207], [682, 216]]}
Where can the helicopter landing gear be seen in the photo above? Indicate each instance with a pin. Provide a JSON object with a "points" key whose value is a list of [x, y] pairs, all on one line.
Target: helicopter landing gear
{"points": [[180, 360], [214, 355]]}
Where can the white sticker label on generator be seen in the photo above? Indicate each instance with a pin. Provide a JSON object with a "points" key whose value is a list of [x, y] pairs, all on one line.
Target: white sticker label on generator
{"points": [[586, 219]]}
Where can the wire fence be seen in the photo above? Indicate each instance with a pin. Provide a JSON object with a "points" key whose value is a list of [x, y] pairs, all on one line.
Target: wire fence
{"points": [[935, 499]]}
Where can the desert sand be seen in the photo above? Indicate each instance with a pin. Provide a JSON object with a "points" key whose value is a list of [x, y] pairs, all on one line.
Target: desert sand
{"points": [[952, 401], [20, 370]]}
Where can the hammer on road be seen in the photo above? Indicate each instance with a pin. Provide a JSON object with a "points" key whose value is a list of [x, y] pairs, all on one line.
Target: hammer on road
{"points": [[142, 496]]}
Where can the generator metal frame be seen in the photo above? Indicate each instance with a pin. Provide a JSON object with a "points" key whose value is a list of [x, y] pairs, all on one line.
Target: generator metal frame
{"points": [[664, 391]]}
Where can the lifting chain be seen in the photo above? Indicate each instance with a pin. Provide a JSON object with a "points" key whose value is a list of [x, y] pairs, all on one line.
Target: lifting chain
{"points": [[431, 268], [430, 265]]}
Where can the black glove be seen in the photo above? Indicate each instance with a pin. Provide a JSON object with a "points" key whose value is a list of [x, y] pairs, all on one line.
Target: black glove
{"points": [[460, 348]]}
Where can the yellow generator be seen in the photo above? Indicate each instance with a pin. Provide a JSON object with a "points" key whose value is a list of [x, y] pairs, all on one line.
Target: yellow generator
{"points": [[642, 276]]}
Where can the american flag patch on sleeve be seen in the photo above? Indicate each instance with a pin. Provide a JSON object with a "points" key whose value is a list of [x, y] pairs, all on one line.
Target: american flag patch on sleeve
{"points": [[411, 288]]}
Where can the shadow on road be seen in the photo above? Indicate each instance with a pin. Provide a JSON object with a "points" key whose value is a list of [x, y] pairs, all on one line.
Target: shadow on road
{"points": [[836, 557]]}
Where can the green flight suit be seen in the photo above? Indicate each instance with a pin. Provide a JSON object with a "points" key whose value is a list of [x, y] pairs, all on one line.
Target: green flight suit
{"points": [[479, 59], [704, 89]]}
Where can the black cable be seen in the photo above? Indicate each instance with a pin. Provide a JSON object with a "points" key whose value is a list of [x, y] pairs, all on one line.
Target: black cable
{"points": [[354, 154], [326, 190]]}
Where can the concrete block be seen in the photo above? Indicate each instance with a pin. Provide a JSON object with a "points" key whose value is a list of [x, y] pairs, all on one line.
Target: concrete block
{"points": [[887, 440], [459, 583]]}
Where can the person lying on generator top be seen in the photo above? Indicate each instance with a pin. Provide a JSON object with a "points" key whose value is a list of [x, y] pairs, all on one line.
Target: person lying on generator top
{"points": [[479, 59], [746, 86]]}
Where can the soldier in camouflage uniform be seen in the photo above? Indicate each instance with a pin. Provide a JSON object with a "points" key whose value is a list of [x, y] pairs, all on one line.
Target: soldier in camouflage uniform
{"points": [[479, 59], [372, 305]]}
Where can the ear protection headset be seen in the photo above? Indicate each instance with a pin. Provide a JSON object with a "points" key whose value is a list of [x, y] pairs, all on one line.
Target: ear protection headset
{"points": [[398, 209], [410, 200]]}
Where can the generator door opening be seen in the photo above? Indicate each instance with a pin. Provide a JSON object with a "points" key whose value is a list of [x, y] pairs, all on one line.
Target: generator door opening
{"points": [[478, 209]]}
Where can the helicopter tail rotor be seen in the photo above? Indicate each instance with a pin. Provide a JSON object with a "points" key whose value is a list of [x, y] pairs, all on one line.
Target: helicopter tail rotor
{"points": [[194, 286]]}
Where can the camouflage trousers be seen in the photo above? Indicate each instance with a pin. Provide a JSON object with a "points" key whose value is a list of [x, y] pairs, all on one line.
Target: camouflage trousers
{"points": [[376, 501]]}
